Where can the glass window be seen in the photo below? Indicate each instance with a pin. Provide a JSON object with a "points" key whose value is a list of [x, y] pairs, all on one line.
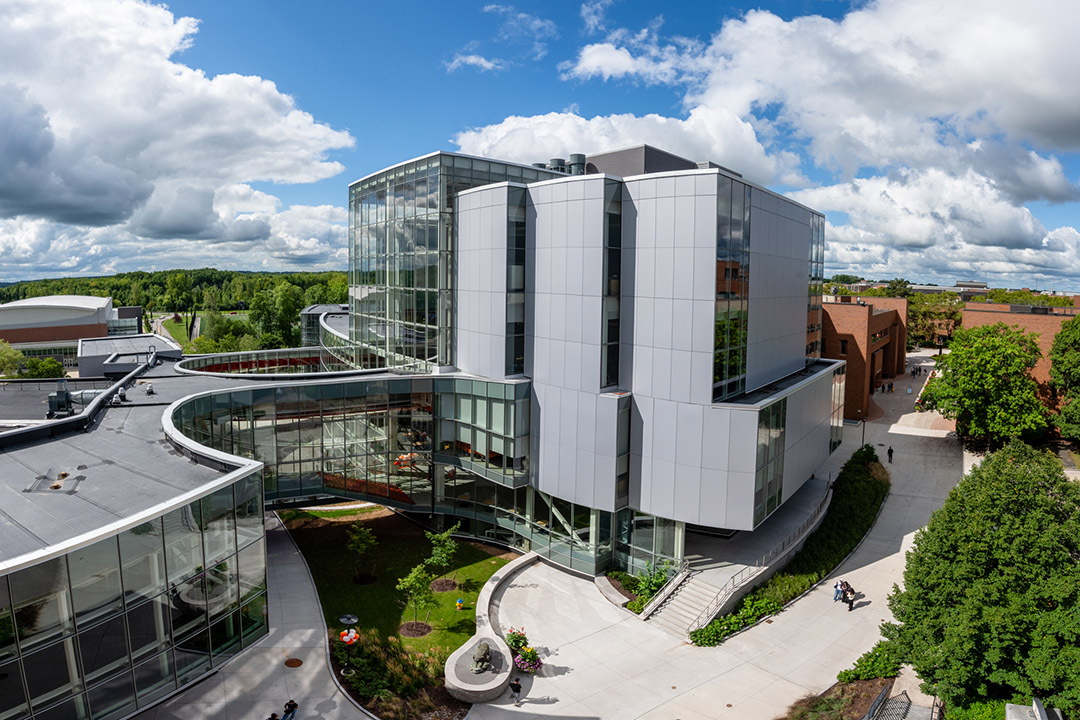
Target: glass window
{"points": [[7, 623], [142, 557], [189, 602], [222, 588], [73, 709], [41, 601], [253, 619], [103, 649], [52, 673], [219, 525], [95, 580], [154, 679], [249, 510], [192, 657], [183, 543], [12, 695], [252, 562], [112, 699], [225, 638], [148, 627]]}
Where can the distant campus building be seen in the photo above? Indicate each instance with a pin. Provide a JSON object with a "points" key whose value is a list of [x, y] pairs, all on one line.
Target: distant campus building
{"points": [[52, 326], [870, 335], [585, 359]]}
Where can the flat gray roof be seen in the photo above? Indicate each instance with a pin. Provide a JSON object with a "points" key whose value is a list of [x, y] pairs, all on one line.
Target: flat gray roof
{"points": [[121, 466], [124, 344], [29, 400]]}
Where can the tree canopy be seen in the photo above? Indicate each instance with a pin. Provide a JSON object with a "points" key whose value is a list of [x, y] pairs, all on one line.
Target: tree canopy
{"points": [[10, 359], [932, 315], [985, 384], [1065, 377], [845, 279], [991, 602]]}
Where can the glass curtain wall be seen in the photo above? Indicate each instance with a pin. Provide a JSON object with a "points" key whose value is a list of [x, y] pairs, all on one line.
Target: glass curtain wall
{"points": [[836, 420], [732, 288], [769, 478], [815, 287], [110, 628], [401, 254], [609, 361], [515, 281]]}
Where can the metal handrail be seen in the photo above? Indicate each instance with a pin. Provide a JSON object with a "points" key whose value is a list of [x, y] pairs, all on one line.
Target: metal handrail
{"points": [[750, 571], [680, 574]]}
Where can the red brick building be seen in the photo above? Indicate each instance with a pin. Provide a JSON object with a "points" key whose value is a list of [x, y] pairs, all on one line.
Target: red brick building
{"points": [[871, 335], [1046, 321]]}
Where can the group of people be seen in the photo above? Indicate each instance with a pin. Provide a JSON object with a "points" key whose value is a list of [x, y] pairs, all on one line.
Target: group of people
{"points": [[916, 371], [290, 711], [842, 590]]}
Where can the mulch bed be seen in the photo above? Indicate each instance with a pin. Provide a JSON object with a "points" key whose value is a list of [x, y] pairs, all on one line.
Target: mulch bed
{"points": [[862, 694], [622, 591], [443, 585], [414, 629]]}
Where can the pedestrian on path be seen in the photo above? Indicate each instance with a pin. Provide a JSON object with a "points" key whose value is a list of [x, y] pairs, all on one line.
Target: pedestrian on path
{"points": [[515, 691], [838, 590], [849, 598], [273, 716], [290, 710], [890, 454]]}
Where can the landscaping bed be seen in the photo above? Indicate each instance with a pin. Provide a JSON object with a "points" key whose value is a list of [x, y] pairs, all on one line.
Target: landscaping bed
{"points": [[398, 678], [843, 701]]}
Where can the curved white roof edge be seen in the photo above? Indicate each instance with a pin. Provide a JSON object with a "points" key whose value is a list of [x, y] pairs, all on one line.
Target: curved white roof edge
{"points": [[82, 302]]}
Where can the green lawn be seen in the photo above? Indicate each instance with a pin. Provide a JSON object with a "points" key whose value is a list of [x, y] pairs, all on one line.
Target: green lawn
{"points": [[178, 330], [321, 538]]}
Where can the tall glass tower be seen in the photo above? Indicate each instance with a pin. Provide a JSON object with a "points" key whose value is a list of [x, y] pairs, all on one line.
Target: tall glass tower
{"points": [[401, 256]]}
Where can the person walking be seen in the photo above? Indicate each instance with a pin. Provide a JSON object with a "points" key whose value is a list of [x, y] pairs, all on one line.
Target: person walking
{"points": [[838, 590], [273, 716], [890, 454], [290, 710], [849, 598], [515, 691]]}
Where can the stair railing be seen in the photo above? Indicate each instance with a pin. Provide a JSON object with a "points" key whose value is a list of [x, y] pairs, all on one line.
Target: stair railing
{"points": [[752, 570], [681, 573]]}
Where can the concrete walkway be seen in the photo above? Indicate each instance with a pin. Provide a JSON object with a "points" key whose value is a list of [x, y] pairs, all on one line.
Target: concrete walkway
{"points": [[256, 682], [602, 662]]}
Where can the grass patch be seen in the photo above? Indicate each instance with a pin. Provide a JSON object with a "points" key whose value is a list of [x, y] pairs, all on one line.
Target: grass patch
{"points": [[322, 537], [288, 516], [858, 492], [178, 330]]}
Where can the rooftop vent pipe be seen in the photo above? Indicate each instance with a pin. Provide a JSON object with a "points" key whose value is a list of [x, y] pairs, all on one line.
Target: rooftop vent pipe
{"points": [[577, 164], [558, 164]]}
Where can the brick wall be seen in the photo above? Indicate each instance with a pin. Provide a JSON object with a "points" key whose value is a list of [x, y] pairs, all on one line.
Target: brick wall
{"points": [[856, 324]]}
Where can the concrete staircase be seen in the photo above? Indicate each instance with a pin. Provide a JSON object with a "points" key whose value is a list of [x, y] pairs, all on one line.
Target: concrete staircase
{"points": [[683, 606]]}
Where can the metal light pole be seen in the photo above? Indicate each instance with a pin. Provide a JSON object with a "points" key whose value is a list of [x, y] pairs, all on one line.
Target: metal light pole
{"points": [[348, 636]]}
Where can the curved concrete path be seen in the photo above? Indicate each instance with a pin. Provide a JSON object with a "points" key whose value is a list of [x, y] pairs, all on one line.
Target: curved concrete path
{"points": [[601, 662], [256, 682]]}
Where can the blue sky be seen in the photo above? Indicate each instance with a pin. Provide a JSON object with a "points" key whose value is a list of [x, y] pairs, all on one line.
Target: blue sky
{"points": [[941, 141]]}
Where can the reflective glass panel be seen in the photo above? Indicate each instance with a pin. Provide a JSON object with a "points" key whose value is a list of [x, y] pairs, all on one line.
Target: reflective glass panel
{"points": [[95, 580], [148, 627], [52, 673], [42, 602], [252, 562], [192, 657], [225, 638], [219, 525], [7, 622], [103, 649], [183, 543], [142, 557], [112, 699], [12, 695], [154, 678]]}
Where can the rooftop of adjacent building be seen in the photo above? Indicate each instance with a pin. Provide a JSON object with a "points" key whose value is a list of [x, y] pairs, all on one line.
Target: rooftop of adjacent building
{"points": [[79, 302], [127, 344]]}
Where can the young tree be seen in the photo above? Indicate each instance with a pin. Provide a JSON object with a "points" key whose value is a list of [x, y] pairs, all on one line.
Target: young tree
{"points": [[10, 359], [898, 287], [986, 384], [443, 549], [360, 540], [1065, 376], [416, 586], [991, 602]]}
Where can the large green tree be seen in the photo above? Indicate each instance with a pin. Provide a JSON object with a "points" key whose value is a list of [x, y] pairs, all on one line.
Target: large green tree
{"points": [[10, 359], [1065, 376], [991, 602], [985, 384]]}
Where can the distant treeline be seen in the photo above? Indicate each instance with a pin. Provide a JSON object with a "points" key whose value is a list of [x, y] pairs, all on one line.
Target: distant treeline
{"points": [[187, 290]]}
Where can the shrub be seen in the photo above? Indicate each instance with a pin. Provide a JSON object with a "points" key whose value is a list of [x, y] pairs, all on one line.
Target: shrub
{"points": [[628, 581], [859, 489], [987, 710], [881, 661], [385, 665]]}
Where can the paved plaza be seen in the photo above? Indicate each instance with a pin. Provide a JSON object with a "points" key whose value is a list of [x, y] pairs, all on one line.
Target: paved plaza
{"points": [[602, 662]]}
